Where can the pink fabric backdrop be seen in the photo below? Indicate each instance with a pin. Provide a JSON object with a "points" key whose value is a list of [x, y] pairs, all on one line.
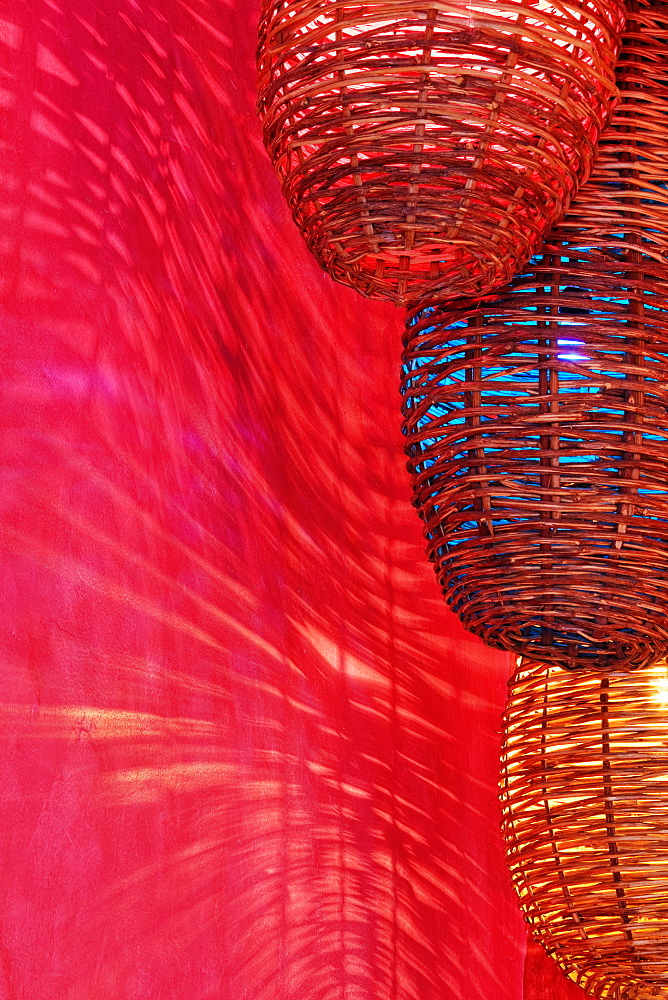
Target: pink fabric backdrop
{"points": [[246, 752]]}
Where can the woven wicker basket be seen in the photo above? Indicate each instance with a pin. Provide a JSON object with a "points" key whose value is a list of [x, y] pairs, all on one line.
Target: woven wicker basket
{"points": [[585, 818], [537, 423], [428, 148]]}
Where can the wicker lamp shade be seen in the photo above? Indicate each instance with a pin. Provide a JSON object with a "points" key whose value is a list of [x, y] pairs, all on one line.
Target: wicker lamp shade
{"points": [[428, 148], [537, 422], [584, 791]]}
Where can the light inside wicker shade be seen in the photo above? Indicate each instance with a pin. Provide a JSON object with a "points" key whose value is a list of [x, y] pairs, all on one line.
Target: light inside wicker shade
{"points": [[537, 423], [430, 147], [585, 819]]}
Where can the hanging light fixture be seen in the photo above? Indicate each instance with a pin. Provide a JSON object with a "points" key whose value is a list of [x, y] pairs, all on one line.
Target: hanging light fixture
{"points": [[537, 422], [428, 148], [584, 790]]}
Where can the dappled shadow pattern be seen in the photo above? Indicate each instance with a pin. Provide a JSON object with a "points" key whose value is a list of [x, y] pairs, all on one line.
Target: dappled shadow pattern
{"points": [[246, 754]]}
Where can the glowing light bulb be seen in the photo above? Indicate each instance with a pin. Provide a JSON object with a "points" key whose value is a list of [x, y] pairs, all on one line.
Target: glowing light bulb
{"points": [[660, 685]]}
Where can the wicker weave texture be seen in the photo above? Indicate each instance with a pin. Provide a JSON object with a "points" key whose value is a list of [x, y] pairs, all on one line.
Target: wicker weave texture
{"points": [[537, 422], [428, 148], [584, 791]]}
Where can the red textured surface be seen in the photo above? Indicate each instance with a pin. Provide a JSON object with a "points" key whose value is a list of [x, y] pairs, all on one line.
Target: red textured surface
{"points": [[246, 753], [544, 980]]}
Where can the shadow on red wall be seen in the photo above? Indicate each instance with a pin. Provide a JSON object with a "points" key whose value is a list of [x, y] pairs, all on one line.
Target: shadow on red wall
{"points": [[247, 752], [544, 980]]}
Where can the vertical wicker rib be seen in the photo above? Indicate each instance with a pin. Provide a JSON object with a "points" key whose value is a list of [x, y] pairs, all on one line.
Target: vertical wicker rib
{"points": [[537, 423], [428, 148], [585, 804]]}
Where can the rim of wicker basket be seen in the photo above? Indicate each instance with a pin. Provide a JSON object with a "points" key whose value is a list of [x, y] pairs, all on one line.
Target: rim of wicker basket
{"points": [[392, 128]]}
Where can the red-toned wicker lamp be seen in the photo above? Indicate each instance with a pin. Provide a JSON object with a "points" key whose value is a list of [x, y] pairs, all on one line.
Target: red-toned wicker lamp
{"points": [[537, 423], [585, 817], [428, 148]]}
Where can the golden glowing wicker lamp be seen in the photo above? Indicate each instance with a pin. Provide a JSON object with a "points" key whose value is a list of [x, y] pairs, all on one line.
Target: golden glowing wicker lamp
{"points": [[585, 819], [537, 422], [427, 148]]}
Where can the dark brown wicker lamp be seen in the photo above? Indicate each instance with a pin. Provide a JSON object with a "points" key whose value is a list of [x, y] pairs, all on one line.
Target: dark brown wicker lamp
{"points": [[585, 818], [427, 148], [537, 423]]}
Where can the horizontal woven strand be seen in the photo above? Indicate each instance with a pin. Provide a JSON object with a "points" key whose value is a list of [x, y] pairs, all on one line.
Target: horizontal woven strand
{"points": [[430, 149], [537, 422]]}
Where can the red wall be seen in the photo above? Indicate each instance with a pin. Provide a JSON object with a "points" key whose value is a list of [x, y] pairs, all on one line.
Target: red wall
{"points": [[247, 754]]}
